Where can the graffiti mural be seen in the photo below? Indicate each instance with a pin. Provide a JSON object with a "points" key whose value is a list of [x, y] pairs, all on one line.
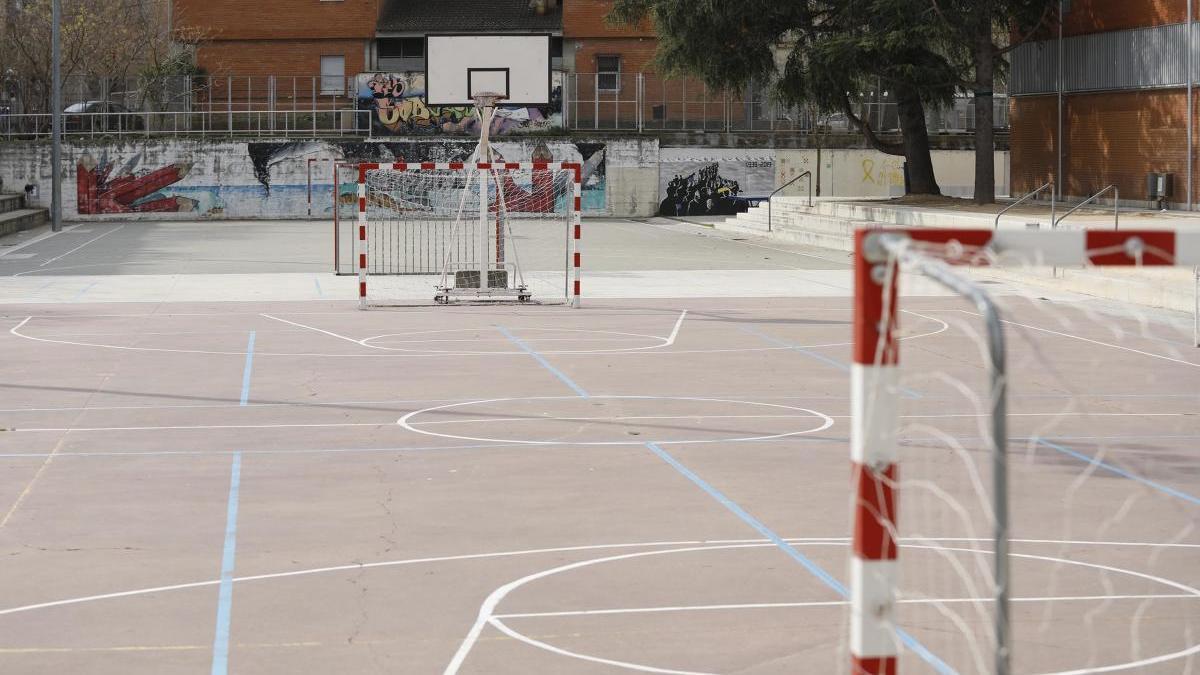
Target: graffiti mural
{"points": [[101, 190], [278, 166], [396, 104], [709, 182]]}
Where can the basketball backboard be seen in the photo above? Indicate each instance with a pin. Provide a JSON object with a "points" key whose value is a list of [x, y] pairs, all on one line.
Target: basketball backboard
{"points": [[458, 67]]}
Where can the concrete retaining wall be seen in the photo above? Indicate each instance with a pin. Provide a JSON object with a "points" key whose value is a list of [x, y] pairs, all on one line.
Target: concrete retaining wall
{"points": [[869, 173], [626, 176], [193, 179]]}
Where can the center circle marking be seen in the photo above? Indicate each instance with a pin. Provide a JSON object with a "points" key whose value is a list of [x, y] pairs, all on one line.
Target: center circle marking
{"points": [[412, 423]]}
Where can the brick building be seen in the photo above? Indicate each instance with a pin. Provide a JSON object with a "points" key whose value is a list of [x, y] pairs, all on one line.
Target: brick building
{"points": [[1124, 109], [314, 38]]}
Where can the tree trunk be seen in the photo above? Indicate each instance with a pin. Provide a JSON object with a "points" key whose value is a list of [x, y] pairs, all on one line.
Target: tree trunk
{"points": [[911, 112], [985, 167]]}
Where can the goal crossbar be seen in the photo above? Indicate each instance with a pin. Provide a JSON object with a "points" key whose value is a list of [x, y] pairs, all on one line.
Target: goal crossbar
{"points": [[875, 636]]}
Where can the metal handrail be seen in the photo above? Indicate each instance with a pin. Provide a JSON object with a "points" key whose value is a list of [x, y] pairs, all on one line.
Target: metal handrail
{"points": [[1116, 206], [802, 175], [1028, 196]]}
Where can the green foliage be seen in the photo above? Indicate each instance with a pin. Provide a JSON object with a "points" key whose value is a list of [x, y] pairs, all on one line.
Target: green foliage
{"points": [[817, 51]]}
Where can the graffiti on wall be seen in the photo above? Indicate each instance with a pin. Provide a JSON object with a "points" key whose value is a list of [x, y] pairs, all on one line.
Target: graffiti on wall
{"points": [[889, 172], [396, 104], [713, 182], [280, 168], [101, 187]]}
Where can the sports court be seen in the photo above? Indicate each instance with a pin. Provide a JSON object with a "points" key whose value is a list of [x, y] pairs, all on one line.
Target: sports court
{"points": [[656, 481]]}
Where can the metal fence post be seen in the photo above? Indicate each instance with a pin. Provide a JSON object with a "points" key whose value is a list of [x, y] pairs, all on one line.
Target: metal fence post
{"points": [[640, 95]]}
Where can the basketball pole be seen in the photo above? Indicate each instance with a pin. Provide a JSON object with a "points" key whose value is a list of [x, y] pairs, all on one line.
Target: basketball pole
{"points": [[486, 105]]}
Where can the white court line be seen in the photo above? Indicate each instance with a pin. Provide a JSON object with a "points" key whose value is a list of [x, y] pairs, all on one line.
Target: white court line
{"points": [[675, 331], [185, 427], [41, 237], [484, 420], [712, 543], [564, 442], [487, 608], [503, 628], [318, 330], [835, 603], [318, 404], [63, 255], [1095, 342]]}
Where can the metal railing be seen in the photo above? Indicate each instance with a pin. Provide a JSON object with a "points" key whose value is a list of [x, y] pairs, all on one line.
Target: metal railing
{"points": [[285, 123], [1026, 198], [315, 106], [780, 188], [1116, 206]]}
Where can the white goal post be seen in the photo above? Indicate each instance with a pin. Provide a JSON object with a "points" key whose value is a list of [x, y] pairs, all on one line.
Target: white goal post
{"points": [[458, 224], [876, 635]]}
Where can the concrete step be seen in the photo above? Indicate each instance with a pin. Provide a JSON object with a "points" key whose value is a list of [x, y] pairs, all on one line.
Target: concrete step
{"points": [[11, 202], [22, 219], [916, 217]]}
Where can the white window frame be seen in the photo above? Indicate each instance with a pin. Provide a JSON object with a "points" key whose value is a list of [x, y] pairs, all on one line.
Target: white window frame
{"points": [[601, 75], [326, 80]]}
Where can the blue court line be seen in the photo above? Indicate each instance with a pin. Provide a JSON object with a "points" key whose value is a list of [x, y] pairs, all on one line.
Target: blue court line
{"points": [[1119, 471], [83, 290], [840, 365], [545, 364], [248, 369], [220, 662], [819, 572]]}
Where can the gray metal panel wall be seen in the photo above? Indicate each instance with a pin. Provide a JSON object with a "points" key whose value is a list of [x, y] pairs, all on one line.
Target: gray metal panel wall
{"points": [[1142, 58]]}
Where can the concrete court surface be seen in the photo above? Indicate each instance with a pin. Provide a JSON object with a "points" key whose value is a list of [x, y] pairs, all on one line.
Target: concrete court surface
{"points": [[646, 484]]}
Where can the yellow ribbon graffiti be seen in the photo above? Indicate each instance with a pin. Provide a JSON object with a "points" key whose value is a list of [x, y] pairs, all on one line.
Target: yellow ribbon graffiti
{"points": [[868, 167]]}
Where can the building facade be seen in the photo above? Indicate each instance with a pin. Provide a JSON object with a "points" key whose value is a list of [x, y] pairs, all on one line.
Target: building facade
{"points": [[315, 38], [1124, 108]]}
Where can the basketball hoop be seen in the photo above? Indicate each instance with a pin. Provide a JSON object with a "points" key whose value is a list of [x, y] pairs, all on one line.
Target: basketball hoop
{"points": [[488, 99]]}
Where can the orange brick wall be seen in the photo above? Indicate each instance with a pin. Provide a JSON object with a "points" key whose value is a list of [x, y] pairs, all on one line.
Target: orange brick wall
{"points": [[636, 53], [585, 18], [1111, 137], [278, 57], [1094, 16], [278, 19]]}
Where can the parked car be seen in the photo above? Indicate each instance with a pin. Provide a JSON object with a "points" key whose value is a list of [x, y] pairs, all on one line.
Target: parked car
{"points": [[100, 116]]}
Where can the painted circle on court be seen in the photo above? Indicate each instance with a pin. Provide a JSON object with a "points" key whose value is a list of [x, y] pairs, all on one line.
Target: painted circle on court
{"points": [[497, 619], [614, 420], [489, 340]]}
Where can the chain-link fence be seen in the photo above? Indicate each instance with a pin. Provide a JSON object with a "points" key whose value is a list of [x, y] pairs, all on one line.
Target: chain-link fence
{"points": [[226, 105]]}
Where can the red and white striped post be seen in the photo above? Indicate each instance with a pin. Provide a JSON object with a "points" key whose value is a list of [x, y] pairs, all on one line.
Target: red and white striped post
{"points": [[874, 635], [362, 233], [873, 394], [576, 172]]}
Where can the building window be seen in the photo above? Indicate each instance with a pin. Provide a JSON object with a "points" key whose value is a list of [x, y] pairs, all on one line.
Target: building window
{"points": [[333, 74], [608, 73], [402, 48]]}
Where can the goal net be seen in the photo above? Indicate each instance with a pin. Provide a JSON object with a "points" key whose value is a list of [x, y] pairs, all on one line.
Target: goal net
{"points": [[1026, 490], [468, 231]]}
